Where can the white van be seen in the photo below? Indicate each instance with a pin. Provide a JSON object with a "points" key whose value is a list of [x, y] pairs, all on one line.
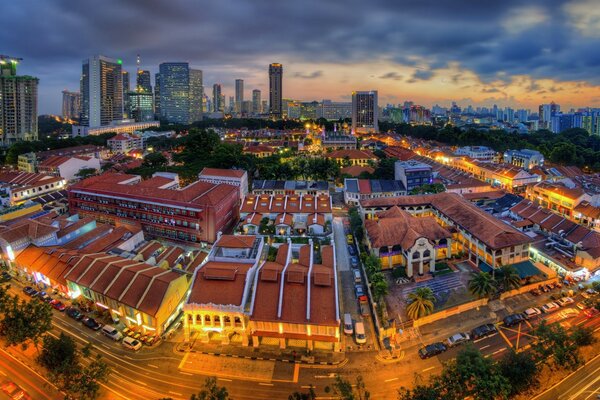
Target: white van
{"points": [[111, 332], [357, 277], [348, 329], [359, 333]]}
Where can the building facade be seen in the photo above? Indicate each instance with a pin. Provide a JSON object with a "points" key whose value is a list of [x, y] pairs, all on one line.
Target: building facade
{"points": [[256, 104], [275, 90], [239, 96], [174, 87], [71, 105], [18, 104], [196, 94], [365, 112], [101, 91], [413, 173]]}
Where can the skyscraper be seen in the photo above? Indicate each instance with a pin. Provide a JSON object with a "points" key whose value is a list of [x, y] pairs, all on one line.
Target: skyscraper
{"points": [[143, 83], [239, 95], [174, 92], [101, 91], [126, 90], [18, 104], [196, 94], [141, 106], [256, 102], [157, 112], [546, 112], [231, 104], [217, 104], [365, 112], [71, 104], [275, 89]]}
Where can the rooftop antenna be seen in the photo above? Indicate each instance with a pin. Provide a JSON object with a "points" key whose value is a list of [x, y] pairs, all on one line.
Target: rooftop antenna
{"points": [[138, 61]]}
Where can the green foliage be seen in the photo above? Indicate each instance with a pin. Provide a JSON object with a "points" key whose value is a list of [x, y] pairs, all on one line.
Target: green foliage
{"points": [[582, 335], [521, 371], [555, 347], [85, 173], [482, 285], [421, 303], [211, 391], [311, 395], [59, 356], [429, 189], [155, 160], [85, 385], [398, 272], [509, 277], [420, 392], [345, 391], [24, 320]]}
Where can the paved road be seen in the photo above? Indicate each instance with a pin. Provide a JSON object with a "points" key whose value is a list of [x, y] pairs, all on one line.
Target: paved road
{"points": [[583, 384]]}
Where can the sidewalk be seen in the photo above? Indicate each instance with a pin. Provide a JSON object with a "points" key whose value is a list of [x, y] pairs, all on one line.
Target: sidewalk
{"points": [[270, 353]]}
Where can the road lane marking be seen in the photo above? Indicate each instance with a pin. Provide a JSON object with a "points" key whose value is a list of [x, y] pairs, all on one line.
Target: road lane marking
{"points": [[186, 373], [265, 384], [484, 347], [505, 338], [296, 373], [308, 387], [499, 351], [2, 372], [390, 380], [153, 366], [175, 393], [518, 337], [428, 369], [140, 382], [224, 379]]}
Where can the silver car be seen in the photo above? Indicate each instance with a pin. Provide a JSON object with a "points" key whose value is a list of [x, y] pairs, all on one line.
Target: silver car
{"points": [[457, 339]]}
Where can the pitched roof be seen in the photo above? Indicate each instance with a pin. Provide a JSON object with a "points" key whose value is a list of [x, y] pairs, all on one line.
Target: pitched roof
{"points": [[236, 241], [352, 154], [230, 173]]}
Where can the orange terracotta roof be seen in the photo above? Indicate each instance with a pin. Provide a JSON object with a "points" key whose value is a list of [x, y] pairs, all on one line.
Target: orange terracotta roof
{"points": [[236, 241], [219, 283], [230, 173], [352, 154], [356, 170]]}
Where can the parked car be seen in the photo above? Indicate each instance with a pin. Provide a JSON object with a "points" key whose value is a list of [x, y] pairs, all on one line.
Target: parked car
{"points": [[531, 312], [58, 305], [74, 313], [5, 277], [359, 333], [549, 307], [483, 331], [457, 339], [586, 295], [354, 261], [543, 288], [111, 332], [131, 343], [591, 291], [29, 291], [358, 291], [351, 250], [581, 305], [348, 324], [569, 313], [565, 301], [513, 319], [535, 292], [91, 323], [432, 350], [590, 312]]}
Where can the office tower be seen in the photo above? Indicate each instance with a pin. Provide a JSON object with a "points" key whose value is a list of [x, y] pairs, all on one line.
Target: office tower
{"points": [[143, 83], [157, 112], [141, 106], [264, 107], [18, 104], [71, 104], [334, 110], [256, 102], [126, 90], [196, 94], [206, 104], [231, 104], [365, 112], [101, 91], [275, 90], [546, 112], [239, 95], [217, 104], [509, 115], [222, 103], [174, 92]]}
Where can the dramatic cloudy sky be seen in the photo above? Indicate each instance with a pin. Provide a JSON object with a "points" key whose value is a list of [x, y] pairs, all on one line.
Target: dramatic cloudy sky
{"points": [[520, 53]]}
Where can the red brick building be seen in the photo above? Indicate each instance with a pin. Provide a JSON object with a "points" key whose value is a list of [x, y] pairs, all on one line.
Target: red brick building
{"points": [[193, 214]]}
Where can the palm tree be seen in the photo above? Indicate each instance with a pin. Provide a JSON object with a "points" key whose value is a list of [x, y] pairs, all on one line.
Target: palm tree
{"points": [[509, 278], [482, 285], [421, 303]]}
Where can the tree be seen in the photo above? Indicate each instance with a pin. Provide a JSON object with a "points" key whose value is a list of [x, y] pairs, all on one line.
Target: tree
{"points": [[582, 335], [482, 285], [25, 320], [554, 347], [211, 391], [521, 370], [344, 389], [154, 160], [420, 392], [85, 385], [86, 173], [471, 374], [509, 277], [421, 303], [311, 395], [429, 189], [59, 356]]}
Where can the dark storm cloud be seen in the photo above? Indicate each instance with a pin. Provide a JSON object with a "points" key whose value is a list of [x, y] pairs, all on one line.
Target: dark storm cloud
{"points": [[312, 75], [229, 39], [392, 75]]}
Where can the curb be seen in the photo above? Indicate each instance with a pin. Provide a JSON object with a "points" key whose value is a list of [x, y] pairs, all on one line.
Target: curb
{"points": [[255, 358]]}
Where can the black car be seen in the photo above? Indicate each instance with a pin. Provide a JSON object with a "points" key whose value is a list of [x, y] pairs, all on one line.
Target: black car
{"points": [[74, 313], [432, 350], [513, 319], [91, 323], [5, 277], [29, 291], [483, 331], [351, 250], [43, 296]]}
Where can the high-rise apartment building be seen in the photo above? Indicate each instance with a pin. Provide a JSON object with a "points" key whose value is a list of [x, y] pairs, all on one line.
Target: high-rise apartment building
{"points": [[264, 106], [256, 102], [365, 112], [196, 94], [546, 112], [71, 104], [18, 104], [157, 111], [218, 105], [143, 83], [126, 89], [141, 106], [101, 91], [231, 104], [275, 90], [239, 95]]}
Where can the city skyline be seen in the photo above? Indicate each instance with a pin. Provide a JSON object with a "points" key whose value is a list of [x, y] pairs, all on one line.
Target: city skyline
{"points": [[513, 53]]}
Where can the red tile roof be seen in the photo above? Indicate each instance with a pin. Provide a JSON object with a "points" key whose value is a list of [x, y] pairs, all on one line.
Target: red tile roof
{"points": [[352, 154], [229, 173], [236, 241], [220, 283]]}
